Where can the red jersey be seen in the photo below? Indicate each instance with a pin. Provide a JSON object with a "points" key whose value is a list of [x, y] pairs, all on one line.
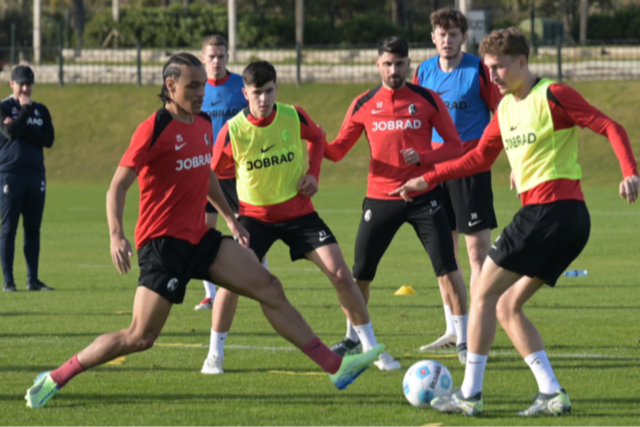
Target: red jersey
{"points": [[568, 109], [295, 207], [172, 161], [394, 120]]}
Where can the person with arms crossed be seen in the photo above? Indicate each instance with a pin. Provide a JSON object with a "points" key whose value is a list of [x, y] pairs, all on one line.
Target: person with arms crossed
{"points": [[223, 99], [536, 123], [277, 174], [174, 243], [398, 119], [25, 128], [462, 81]]}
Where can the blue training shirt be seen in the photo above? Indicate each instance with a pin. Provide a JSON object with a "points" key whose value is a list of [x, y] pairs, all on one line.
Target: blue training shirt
{"points": [[460, 91]]}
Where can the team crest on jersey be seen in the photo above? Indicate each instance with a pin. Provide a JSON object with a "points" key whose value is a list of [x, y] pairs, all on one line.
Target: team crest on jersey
{"points": [[206, 140], [36, 112], [379, 105], [14, 111], [286, 135], [179, 138], [412, 109]]}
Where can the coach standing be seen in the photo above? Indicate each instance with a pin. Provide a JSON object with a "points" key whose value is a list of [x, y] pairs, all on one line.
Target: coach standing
{"points": [[25, 128]]}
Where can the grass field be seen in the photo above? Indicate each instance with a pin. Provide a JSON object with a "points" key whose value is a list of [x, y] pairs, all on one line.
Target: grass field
{"points": [[590, 326]]}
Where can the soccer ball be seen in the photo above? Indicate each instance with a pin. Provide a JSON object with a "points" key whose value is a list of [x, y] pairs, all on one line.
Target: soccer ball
{"points": [[425, 381]]}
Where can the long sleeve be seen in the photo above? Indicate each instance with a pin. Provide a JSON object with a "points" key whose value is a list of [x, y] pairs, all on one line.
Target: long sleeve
{"points": [[443, 123], [222, 151], [15, 129], [316, 142], [349, 134]]}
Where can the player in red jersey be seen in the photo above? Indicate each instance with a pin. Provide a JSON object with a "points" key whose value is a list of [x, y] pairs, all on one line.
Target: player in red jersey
{"points": [[277, 152], [170, 156], [398, 119], [536, 123]]}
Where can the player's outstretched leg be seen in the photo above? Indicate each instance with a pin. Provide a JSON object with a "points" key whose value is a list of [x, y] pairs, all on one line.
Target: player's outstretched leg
{"points": [[150, 312], [239, 271], [330, 260], [552, 399]]}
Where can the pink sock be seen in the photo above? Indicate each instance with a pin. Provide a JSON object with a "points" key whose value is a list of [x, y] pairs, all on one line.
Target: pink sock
{"points": [[322, 355], [66, 372]]}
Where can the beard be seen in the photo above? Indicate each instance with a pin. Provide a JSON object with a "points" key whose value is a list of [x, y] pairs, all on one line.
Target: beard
{"points": [[397, 83]]}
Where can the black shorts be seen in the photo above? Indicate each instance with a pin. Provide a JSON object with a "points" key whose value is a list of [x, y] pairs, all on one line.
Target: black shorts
{"points": [[167, 264], [543, 240], [469, 203], [381, 219], [230, 193], [302, 235]]}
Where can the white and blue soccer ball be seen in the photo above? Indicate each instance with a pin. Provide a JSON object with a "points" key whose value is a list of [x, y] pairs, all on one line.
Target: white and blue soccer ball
{"points": [[425, 381]]}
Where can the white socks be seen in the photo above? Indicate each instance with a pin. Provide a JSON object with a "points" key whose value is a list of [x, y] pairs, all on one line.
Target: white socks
{"points": [[541, 368], [451, 330], [351, 332], [366, 335], [473, 374], [216, 346], [210, 289], [460, 324]]}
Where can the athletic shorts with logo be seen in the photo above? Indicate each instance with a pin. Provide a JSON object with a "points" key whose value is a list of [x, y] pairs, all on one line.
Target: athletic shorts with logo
{"points": [[230, 193], [543, 240], [167, 264], [469, 203], [381, 219], [302, 235]]}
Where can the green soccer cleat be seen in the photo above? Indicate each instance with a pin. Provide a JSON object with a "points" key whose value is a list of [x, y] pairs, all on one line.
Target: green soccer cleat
{"points": [[549, 404], [44, 389], [353, 365], [456, 402]]}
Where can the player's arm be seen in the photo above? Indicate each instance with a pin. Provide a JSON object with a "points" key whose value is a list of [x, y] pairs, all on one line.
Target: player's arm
{"points": [[217, 199], [475, 161], [13, 129], [316, 140], [452, 147], [45, 137], [222, 151], [349, 134], [581, 113], [120, 247]]}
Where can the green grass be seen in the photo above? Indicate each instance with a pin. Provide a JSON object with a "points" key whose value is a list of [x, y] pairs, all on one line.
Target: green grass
{"points": [[589, 325], [94, 124]]}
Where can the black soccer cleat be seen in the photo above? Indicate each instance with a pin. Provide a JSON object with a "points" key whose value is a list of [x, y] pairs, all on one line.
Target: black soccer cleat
{"points": [[9, 287], [347, 347], [38, 286]]}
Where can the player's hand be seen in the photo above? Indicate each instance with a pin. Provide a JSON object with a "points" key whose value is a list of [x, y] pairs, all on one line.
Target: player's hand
{"points": [[629, 188], [308, 186], [239, 231], [120, 253], [415, 184], [24, 99], [411, 156], [8, 120], [512, 184]]}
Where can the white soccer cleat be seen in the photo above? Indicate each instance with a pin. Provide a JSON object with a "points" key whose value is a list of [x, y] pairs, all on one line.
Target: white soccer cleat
{"points": [[386, 363], [446, 340], [462, 353], [212, 366], [205, 304]]}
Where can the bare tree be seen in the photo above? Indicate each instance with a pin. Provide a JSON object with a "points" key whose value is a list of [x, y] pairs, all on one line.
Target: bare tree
{"points": [[79, 18]]}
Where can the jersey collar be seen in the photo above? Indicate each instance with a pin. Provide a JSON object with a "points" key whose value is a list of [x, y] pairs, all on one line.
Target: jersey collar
{"points": [[219, 82]]}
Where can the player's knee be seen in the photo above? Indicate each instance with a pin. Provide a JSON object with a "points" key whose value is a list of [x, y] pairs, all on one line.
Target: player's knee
{"points": [[141, 340], [270, 291], [341, 278], [503, 311]]}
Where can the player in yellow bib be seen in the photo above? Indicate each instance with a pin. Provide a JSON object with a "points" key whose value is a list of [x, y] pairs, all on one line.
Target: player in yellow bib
{"points": [[536, 124], [277, 151]]}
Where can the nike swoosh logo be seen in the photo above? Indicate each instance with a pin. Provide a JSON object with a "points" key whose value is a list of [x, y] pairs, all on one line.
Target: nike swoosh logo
{"points": [[376, 111], [472, 223], [215, 103], [514, 127], [264, 150], [322, 239], [432, 211], [444, 91], [179, 147]]}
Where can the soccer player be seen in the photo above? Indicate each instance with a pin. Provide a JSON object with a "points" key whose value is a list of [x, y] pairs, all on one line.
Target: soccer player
{"points": [[170, 153], [462, 81], [536, 123], [25, 128], [223, 99], [277, 174], [398, 119]]}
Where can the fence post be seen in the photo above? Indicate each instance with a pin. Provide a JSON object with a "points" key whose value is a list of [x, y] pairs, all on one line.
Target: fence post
{"points": [[298, 62], [60, 57], [13, 43], [139, 63], [559, 49], [533, 31], [68, 22]]}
